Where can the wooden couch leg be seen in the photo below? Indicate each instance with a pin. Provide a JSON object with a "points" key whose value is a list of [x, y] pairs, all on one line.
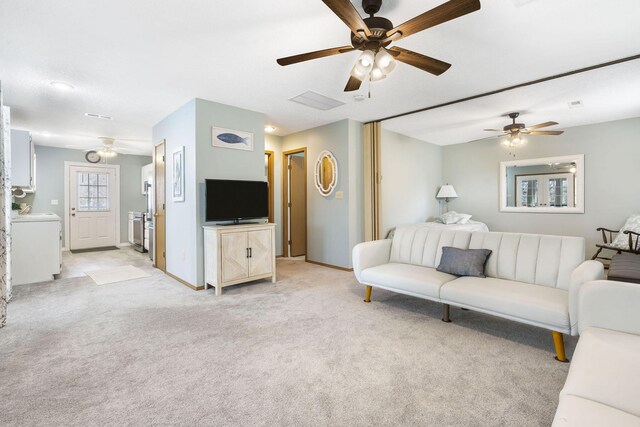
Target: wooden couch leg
{"points": [[367, 295], [445, 313], [558, 340]]}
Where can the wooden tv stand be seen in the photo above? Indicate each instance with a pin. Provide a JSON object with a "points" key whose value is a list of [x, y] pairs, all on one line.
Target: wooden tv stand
{"points": [[240, 253]]}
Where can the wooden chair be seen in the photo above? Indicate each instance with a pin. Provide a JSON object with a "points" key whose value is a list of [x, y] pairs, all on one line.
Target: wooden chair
{"points": [[608, 238]]}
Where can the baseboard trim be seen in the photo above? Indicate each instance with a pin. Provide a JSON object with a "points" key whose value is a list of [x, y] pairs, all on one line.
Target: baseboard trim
{"points": [[329, 265], [184, 282], [123, 245]]}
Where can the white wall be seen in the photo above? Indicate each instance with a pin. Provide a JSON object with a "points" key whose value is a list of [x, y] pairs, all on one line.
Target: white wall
{"points": [[411, 175], [611, 152]]}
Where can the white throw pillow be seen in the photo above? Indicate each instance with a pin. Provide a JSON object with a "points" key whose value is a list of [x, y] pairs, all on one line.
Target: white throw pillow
{"points": [[622, 240], [454, 217], [449, 217], [464, 218]]}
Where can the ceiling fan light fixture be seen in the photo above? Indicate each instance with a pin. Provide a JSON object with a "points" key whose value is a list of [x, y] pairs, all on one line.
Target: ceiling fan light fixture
{"points": [[377, 74], [357, 73], [366, 59], [385, 61]]}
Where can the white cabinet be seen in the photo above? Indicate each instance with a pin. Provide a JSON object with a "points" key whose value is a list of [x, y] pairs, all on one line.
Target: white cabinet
{"points": [[238, 253], [36, 252], [23, 161], [130, 228]]}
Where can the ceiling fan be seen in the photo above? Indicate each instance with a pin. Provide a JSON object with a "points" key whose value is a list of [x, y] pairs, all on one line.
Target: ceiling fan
{"points": [[374, 34], [514, 130], [108, 150]]}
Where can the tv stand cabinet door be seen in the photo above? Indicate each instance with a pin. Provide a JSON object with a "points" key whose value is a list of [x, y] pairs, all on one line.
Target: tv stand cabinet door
{"points": [[261, 260], [233, 254]]}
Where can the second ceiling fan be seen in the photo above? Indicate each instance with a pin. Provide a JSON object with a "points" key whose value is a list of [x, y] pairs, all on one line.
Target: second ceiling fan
{"points": [[374, 34]]}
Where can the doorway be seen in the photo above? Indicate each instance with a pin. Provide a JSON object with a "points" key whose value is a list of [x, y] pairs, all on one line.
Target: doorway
{"points": [[159, 216], [92, 205], [268, 176], [294, 198]]}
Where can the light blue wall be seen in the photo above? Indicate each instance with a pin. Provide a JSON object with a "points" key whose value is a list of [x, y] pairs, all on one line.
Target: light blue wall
{"points": [[191, 127], [223, 163], [50, 182], [179, 129], [334, 225], [611, 152], [411, 175], [274, 143]]}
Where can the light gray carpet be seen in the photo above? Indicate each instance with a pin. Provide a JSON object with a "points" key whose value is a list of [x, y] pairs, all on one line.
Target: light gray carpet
{"points": [[305, 351]]}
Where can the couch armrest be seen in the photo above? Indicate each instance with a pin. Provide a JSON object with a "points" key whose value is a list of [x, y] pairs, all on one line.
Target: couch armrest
{"points": [[610, 304], [370, 254], [585, 272]]}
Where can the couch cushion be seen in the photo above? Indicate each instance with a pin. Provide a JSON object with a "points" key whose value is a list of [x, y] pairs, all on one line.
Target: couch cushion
{"points": [[538, 305], [412, 279], [575, 411], [606, 369], [422, 245], [531, 258]]}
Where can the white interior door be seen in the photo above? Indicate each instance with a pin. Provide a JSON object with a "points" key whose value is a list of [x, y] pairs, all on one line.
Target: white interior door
{"points": [[93, 207]]}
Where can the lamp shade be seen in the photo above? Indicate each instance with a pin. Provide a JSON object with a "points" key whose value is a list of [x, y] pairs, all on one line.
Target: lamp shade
{"points": [[447, 192]]}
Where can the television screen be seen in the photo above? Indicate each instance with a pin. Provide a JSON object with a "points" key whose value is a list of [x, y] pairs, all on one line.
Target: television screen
{"points": [[234, 200]]}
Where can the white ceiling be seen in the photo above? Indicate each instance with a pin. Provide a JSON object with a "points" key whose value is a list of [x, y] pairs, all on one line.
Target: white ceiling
{"points": [[138, 61]]}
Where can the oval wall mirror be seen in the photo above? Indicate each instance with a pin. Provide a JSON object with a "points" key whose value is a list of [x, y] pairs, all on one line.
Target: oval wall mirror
{"points": [[326, 173]]}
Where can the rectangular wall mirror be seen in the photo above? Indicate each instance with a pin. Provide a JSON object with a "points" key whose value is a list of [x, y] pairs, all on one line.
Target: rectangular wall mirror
{"points": [[550, 185]]}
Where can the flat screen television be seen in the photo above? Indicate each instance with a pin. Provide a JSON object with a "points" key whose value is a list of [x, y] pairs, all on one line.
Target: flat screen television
{"points": [[231, 200]]}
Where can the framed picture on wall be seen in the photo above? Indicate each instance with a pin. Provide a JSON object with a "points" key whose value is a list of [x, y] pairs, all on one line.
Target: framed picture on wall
{"points": [[234, 139], [178, 174]]}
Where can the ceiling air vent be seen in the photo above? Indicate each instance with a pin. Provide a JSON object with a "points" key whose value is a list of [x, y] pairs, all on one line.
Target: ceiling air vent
{"points": [[575, 104], [317, 101], [98, 116]]}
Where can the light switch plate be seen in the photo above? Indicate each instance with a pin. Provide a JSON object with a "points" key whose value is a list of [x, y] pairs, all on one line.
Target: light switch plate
{"points": [[54, 202], [339, 194]]}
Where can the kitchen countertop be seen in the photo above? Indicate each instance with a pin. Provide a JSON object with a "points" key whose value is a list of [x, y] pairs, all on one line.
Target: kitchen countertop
{"points": [[36, 217]]}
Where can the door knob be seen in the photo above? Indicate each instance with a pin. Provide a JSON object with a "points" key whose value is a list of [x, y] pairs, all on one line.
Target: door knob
{"points": [[156, 215]]}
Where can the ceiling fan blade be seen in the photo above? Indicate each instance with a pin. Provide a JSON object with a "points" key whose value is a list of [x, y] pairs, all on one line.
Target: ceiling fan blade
{"points": [[349, 15], [541, 125], [543, 132], [445, 12], [494, 130], [352, 84], [314, 55], [425, 63]]}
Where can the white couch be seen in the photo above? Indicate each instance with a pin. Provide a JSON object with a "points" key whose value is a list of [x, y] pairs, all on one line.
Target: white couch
{"points": [[603, 385], [531, 278]]}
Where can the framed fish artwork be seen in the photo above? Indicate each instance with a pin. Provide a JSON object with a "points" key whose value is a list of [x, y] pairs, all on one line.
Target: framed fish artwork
{"points": [[235, 139]]}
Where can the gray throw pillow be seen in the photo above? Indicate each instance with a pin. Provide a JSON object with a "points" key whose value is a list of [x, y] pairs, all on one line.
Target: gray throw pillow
{"points": [[463, 262]]}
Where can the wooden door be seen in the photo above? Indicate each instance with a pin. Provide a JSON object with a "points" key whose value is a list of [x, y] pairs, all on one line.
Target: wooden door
{"points": [[160, 223], [234, 255], [268, 172], [298, 208], [93, 207], [260, 245]]}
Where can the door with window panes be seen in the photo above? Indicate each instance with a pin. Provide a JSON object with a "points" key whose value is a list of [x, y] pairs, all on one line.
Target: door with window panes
{"points": [[555, 190], [92, 207]]}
